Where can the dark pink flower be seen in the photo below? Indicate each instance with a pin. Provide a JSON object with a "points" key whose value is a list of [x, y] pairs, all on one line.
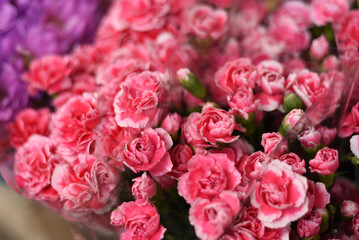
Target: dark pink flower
{"points": [[297, 164], [208, 176], [33, 167], [211, 217], [325, 162], [318, 195], [138, 102], [309, 225], [356, 226], [205, 22], [140, 218], [149, 152], [88, 186], [73, 126], [348, 29], [216, 125], [143, 187], [273, 144], [180, 155], [235, 74], [280, 196], [50, 73], [350, 124], [328, 135], [29, 122]]}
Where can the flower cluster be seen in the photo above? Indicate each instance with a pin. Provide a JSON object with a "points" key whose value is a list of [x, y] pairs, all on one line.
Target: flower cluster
{"points": [[31, 29], [204, 113]]}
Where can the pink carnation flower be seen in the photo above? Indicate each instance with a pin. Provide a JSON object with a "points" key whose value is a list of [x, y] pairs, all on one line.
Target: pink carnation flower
{"points": [[88, 186], [310, 138], [143, 187], [171, 123], [137, 104], [216, 125], [73, 126], [242, 102], [324, 11], [236, 73], [27, 123], [50, 73], [273, 143], [319, 47], [140, 218], [293, 160], [253, 164], [309, 225], [325, 162], [149, 152], [33, 167], [205, 22], [180, 155], [280, 196], [211, 217], [190, 131], [208, 176]]}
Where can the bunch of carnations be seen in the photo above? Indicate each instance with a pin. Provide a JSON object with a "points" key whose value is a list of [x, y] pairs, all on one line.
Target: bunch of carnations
{"points": [[213, 119], [30, 29]]}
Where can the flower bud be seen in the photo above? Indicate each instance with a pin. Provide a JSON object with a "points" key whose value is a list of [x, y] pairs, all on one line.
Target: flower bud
{"points": [[292, 101], [190, 82], [290, 120]]}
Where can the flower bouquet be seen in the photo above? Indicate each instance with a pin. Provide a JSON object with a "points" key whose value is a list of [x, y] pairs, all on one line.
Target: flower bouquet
{"points": [[213, 119]]}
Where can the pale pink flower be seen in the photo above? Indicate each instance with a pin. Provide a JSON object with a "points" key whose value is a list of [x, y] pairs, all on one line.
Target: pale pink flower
{"points": [[242, 102], [172, 123], [297, 164], [50, 73], [319, 47], [208, 176], [29, 122], [33, 167], [354, 145], [140, 218], [73, 126], [137, 104], [349, 208], [149, 152], [324, 11], [88, 186], [180, 155], [273, 143], [331, 63], [325, 162], [280, 195], [205, 22], [310, 138], [143, 187], [211, 217], [236, 73], [309, 225], [217, 126]]}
